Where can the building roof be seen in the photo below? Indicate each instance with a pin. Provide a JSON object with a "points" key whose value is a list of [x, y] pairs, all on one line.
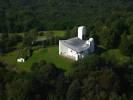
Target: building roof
{"points": [[76, 44]]}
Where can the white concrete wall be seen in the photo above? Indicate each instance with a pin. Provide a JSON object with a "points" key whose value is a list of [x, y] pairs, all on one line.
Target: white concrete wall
{"points": [[65, 51], [68, 52], [73, 54], [92, 45], [83, 54], [62, 49], [81, 32]]}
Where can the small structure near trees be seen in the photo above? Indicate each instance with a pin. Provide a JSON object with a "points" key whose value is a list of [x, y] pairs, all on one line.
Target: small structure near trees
{"points": [[24, 54], [20, 60]]}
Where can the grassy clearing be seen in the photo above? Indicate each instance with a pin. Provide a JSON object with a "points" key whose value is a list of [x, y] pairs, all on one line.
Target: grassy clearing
{"points": [[49, 54], [53, 33], [59, 33]]}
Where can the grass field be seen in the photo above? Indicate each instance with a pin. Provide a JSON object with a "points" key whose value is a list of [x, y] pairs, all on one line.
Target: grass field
{"points": [[49, 54], [54, 33], [59, 33]]}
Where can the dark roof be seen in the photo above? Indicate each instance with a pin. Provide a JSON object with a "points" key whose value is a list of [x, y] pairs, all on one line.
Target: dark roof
{"points": [[76, 44]]}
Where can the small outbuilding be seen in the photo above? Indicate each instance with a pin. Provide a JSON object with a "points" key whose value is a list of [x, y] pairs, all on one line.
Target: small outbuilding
{"points": [[20, 60], [76, 48]]}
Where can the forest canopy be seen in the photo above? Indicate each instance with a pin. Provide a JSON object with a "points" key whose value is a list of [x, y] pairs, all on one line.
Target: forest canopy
{"points": [[22, 15]]}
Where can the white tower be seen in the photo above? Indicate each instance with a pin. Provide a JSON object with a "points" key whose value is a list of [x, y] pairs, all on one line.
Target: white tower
{"points": [[92, 46], [81, 32]]}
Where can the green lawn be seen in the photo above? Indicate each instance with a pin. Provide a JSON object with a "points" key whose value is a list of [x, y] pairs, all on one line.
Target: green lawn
{"points": [[49, 54], [54, 33], [59, 33]]}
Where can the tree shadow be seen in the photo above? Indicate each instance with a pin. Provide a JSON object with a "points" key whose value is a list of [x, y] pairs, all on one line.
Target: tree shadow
{"points": [[99, 50]]}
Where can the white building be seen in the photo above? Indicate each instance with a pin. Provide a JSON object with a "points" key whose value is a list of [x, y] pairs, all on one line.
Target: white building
{"points": [[20, 60], [76, 48]]}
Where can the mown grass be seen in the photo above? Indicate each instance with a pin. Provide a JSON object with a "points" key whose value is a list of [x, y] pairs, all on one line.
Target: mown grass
{"points": [[55, 33], [49, 54], [59, 33]]}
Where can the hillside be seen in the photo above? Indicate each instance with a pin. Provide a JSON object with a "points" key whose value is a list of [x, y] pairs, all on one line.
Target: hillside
{"points": [[30, 30]]}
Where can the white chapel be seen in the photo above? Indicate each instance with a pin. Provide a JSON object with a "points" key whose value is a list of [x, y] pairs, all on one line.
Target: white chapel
{"points": [[76, 48]]}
